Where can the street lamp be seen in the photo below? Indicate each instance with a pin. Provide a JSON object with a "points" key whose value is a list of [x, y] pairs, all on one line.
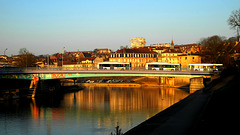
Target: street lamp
{"points": [[4, 56], [62, 55], [78, 56]]}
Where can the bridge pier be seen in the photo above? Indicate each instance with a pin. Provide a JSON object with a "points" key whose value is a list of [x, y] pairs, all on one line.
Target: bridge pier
{"points": [[196, 84], [44, 87]]}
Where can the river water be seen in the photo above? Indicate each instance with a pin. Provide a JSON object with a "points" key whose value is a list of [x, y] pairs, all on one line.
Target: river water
{"points": [[92, 111]]}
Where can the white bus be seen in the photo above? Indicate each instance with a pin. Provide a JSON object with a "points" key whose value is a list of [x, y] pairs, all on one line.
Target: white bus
{"points": [[163, 66], [114, 66], [205, 67]]}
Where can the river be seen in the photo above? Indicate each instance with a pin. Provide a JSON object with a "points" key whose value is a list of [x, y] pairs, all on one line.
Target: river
{"points": [[92, 111]]}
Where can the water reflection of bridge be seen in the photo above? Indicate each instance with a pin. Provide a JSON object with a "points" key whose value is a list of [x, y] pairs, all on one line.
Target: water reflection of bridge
{"points": [[124, 99], [104, 106]]}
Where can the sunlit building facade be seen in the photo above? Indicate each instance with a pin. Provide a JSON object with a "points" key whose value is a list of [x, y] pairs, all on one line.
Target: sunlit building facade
{"points": [[170, 56], [138, 57], [184, 60]]}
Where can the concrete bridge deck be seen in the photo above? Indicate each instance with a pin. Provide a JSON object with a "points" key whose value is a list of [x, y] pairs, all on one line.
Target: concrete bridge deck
{"points": [[54, 74]]}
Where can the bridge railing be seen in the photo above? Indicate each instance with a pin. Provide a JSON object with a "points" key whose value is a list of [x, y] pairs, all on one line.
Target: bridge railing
{"points": [[12, 69]]}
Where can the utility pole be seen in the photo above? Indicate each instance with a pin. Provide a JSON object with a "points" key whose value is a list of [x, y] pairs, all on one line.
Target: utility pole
{"points": [[78, 56], [62, 55], [48, 60]]}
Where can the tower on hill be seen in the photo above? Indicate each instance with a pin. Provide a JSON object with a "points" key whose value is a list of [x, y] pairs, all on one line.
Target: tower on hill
{"points": [[138, 42]]}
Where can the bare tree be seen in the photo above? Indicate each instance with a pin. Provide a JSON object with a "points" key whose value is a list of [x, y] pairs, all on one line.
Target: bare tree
{"points": [[218, 49], [23, 51], [234, 21], [25, 59], [214, 45]]}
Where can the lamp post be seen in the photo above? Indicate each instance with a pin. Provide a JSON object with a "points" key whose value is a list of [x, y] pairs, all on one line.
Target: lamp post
{"points": [[4, 55], [26, 53], [62, 55]]}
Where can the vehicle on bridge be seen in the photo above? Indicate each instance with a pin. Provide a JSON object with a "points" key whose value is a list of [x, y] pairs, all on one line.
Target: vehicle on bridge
{"points": [[205, 67], [114, 66], [163, 66]]}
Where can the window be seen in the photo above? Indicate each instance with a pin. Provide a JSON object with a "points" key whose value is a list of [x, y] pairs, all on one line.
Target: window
{"points": [[185, 58], [193, 58]]}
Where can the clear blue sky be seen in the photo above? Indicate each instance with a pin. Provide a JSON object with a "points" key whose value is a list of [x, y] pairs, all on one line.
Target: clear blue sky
{"points": [[45, 26]]}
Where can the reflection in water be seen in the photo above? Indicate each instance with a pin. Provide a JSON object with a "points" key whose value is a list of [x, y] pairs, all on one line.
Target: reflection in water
{"points": [[95, 110]]}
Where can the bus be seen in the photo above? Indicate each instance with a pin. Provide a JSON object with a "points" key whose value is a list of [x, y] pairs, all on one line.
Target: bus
{"points": [[163, 66], [205, 67], [114, 66]]}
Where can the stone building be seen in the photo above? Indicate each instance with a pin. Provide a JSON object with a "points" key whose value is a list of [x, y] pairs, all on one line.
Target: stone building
{"points": [[185, 59], [138, 57], [171, 45], [138, 42], [170, 56]]}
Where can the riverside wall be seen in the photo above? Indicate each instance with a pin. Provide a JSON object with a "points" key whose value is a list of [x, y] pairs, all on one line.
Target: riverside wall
{"points": [[141, 81]]}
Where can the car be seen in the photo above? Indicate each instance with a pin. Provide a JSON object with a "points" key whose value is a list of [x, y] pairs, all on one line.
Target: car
{"points": [[89, 81], [81, 81]]}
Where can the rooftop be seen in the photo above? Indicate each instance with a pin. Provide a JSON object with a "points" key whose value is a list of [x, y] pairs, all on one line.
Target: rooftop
{"points": [[135, 50]]}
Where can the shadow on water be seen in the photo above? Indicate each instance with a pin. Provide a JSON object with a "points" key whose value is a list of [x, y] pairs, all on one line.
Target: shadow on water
{"points": [[184, 88], [53, 101]]}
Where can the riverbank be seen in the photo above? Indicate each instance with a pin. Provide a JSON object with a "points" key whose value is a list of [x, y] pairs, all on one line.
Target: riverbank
{"points": [[185, 116], [221, 114]]}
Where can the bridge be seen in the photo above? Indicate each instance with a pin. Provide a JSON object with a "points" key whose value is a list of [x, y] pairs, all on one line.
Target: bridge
{"points": [[59, 73], [47, 80]]}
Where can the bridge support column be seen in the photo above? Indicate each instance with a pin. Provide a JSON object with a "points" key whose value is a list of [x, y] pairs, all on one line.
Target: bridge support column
{"points": [[44, 87], [196, 84], [162, 80]]}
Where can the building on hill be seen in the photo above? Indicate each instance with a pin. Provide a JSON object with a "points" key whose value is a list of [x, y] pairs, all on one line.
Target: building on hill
{"points": [[170, 56], [89, 63], [138, 57], [190, 48], [138, 42], [177, 56], [102, 51], [236, 54], [159, 50], [185, 59], [4, 61], [169, 45]]}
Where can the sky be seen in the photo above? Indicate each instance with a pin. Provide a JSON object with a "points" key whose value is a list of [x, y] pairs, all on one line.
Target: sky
{"points": [[46, 26]]}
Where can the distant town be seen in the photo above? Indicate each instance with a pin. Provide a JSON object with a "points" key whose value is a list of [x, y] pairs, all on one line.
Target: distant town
{"points": [[138, 55]]}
